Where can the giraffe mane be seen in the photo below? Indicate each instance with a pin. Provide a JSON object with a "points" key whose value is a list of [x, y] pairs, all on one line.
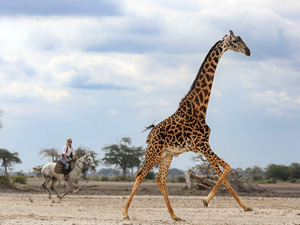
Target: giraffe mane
{"points": [[201, 68]]}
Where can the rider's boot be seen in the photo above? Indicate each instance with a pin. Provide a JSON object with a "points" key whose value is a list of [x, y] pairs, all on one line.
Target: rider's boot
{"points": [[66, 173]]}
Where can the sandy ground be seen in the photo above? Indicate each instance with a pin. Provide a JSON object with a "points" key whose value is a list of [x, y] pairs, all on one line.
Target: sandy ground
{"points": [[103, 202], [18, 208]]}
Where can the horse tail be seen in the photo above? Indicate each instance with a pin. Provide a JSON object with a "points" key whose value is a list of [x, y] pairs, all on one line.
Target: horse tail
{"points": [[37, 169]]}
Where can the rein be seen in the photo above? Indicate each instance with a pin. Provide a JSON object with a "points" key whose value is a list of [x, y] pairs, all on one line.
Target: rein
{"points": [[85, 163]]}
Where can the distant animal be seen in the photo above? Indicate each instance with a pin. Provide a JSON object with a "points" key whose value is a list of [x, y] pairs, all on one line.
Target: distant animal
{"points": [[83, 163], [186, 130]]}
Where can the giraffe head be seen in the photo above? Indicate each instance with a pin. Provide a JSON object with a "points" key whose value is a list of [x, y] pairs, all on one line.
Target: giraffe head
{"points": [[235, 43]]}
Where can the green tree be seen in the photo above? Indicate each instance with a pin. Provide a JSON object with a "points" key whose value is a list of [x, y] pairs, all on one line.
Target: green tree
{"points": [[8, 159], [294, 169], [50, 152], [81, 151], [123, 155], [278, 172]]}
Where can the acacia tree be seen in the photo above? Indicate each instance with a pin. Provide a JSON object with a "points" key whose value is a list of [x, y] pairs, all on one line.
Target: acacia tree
{"points": [[81, 151], [123, 155], [8, 159], [50, 152], [202, 165]]}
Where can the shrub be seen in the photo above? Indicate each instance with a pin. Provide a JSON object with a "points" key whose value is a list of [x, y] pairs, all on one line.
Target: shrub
{"points": [[96, 178], [150, 176], [4, 180], [180, 180], [171, 180], [19, 179], [280, 172], [104, 178], [272, 181]]}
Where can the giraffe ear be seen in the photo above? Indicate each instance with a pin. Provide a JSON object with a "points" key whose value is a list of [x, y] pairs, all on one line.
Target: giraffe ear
{"points": [[231, 33], [229, 37]]}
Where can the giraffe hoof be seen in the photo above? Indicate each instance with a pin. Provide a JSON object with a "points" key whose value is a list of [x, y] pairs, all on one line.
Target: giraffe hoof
{"points": [[249, 209], [205, 204], [126, 218], [176, 218]]}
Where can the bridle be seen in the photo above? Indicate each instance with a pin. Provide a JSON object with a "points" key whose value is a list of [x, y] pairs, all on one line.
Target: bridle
{"points": [[85, 163]]}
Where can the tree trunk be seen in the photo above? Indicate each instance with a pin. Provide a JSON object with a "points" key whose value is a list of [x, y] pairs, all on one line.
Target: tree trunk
{"points": [[124, 172], [5, 169], [188, 179], [204, 182]]}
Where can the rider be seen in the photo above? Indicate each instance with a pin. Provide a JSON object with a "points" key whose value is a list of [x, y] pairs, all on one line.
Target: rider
{"points": [[67, 153]]}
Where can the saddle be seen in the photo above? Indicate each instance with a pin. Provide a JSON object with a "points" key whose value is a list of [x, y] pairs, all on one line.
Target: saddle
{"points": [[60, 167]]}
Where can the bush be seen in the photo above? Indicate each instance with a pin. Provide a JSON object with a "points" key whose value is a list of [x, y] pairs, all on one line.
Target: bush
{"points": [[104, 178], [180, 180], [171, 180], [271, 181], [96, 178], [257, 178], [19, 179], [280, 172], [150, 176], [4, 180], [121, 178]]}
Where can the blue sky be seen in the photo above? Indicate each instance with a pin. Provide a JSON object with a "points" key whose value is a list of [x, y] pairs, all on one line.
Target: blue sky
{"points": [[97, 71]]}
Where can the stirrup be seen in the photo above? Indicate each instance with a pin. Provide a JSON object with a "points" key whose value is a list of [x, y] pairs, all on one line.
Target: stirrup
{"points": [[66, 177]]}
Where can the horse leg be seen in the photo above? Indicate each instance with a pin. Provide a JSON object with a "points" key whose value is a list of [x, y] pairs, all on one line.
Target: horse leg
{"points": [[68, 189], [44, 185], [52, 187], [79, 187]]}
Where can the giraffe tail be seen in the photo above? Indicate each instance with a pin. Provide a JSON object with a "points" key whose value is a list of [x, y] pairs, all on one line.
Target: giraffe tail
{"points": [[149, 127], [149, 135]]}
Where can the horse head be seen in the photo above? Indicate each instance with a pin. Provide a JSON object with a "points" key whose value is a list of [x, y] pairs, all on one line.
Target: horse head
{"points": [[89, 161]]}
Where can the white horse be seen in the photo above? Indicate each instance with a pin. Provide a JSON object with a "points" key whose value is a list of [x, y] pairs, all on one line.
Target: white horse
{"points": [[48, 173]]}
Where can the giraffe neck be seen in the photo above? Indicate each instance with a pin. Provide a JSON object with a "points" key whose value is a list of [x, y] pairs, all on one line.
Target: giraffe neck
{"points": [[201, 88]]}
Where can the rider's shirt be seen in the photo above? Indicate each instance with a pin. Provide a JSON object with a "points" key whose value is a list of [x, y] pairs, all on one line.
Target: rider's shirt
{"points": [[68, 151]]}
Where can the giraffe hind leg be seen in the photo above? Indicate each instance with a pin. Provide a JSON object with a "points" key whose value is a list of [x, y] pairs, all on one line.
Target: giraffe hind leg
{"points": [[148, 164], [215, 163], [164, 165], [228, 186]]}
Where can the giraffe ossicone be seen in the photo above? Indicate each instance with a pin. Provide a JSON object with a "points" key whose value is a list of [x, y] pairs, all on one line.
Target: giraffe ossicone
{"points": [[186, 130]]}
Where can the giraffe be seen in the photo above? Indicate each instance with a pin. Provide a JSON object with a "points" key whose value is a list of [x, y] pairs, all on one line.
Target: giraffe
{"points": [[186, 130]]}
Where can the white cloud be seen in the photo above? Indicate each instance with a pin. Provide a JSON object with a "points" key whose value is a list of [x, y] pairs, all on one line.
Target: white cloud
{"points": [[280, 103], [113, 112]]}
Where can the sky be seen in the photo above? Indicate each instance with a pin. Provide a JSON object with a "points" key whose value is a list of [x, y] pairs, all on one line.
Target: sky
{"points": [[99, 70]]}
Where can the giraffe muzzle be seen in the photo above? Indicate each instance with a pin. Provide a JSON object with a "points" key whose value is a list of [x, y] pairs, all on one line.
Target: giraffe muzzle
{"points": [[247, 52]]}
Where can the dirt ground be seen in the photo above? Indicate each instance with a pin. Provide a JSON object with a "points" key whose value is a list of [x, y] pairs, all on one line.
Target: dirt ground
{"points": [[103, 202]]}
